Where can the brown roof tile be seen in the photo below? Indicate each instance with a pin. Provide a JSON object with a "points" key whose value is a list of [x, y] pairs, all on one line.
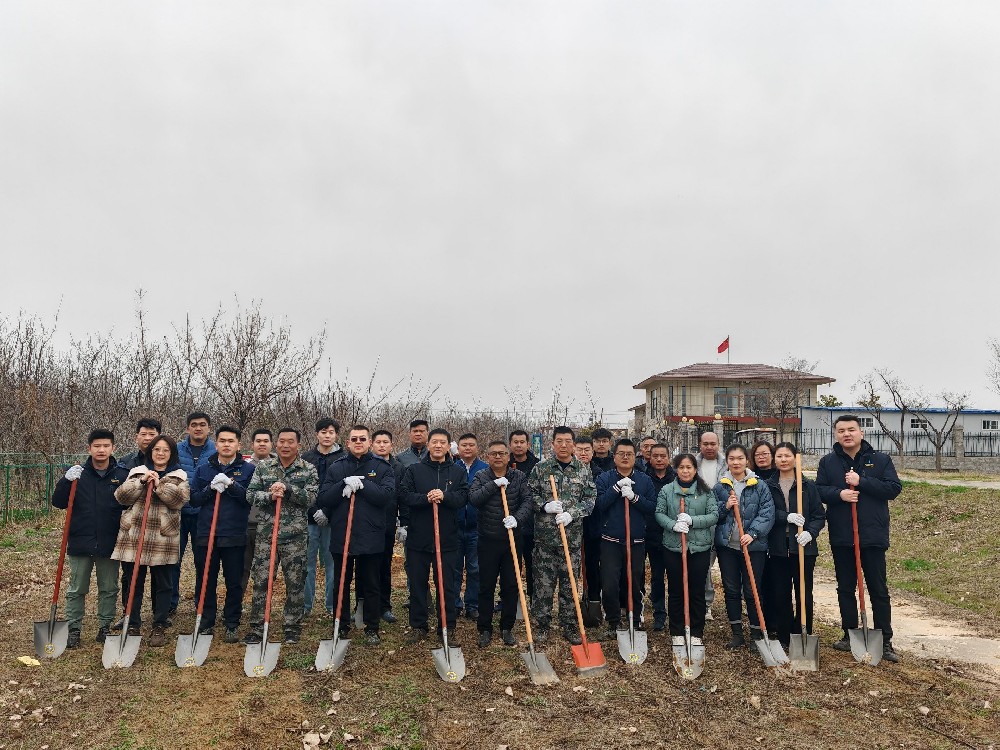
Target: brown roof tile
{"points": [[734, 371]]}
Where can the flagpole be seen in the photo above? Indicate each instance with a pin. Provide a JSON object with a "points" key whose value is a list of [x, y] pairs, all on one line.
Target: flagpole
{"points": [[728, 348]]}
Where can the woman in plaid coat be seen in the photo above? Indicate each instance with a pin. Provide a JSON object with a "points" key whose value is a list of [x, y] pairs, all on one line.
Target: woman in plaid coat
{"points": [[161, 543]]}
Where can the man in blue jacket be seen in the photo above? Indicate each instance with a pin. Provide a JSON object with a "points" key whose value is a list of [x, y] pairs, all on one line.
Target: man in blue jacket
{"points": [[856, 474], [228, 474], [193, 451], [467, 561], [93, 530]]}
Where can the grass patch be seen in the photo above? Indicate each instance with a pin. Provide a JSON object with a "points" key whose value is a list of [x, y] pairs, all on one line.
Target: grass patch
{"points": [[916, 564], [298, 661]]}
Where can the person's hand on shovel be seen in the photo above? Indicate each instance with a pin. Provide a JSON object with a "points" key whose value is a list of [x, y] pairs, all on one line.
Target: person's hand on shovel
{"points": [[74, 472], [151, 476], [435, 496], [277, 491], [850, 495]]}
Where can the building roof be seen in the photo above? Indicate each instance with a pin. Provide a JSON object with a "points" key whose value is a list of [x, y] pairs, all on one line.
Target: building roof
{"points": [[862, 411], [735, 371]]}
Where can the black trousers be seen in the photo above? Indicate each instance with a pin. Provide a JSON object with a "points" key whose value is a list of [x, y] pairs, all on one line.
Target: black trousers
{"points": [[385, 571], [873, 566], [525, 546], [365, 569], [697, 570], [735, 580], [612, 565], [162, 583], [419, 567], [495, 562], [657, 572], [592, 567], [248, 555], [230, 559], [781, 584]]}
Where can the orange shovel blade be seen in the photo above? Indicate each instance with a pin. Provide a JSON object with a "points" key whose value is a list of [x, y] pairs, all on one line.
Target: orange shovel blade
{"points": [[589, 659]]}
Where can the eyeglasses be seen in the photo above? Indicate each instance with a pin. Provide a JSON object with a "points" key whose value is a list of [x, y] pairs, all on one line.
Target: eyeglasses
{"points": [[497, 454], [361, 439], [626, 454]]}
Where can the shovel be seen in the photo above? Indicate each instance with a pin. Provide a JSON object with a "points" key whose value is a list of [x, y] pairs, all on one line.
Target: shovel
{"points": [[539, 670], [803, 650], [689, 660], [120, 650], [51, 635], [591, 609], [770, 651], [450, 662], [631, 643], [331, 652], [866, 645], [589, 658], [261, 659], [192, 650]]}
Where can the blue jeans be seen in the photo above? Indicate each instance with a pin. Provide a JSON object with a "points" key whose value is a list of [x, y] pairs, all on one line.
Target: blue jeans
{"points": [[467, 560], [319, 546], [189, 528]]}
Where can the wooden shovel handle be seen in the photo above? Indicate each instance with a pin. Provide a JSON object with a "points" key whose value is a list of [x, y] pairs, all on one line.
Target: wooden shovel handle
{"points": [[343, 558], [274, 554], [569, 569], [684, 573], [65, 541], [440, 568], [746, 558], [517, 566], [138, 551], [208, 553], [802, 551]]}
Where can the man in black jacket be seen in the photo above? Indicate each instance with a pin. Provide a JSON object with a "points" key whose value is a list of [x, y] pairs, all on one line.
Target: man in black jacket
{"points": [[93, 531], [494, 545], [382, 447], [662, 473], [855, 474], [522, 459], [434, 480], [369, 479], [603, 460]]}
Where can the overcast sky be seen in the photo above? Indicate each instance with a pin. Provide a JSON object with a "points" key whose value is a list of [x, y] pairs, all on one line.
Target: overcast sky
{"points": [[494, 193]]}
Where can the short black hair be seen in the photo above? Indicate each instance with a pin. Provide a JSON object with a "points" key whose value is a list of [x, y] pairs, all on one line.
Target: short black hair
{"points": [[602, 433], [228, 428], [262, 431], [495, 443], [150, 424], [738, 447], [325, 422], [519, 432], [583, 440], [439, 431], [298, 435], [419, 423], [468, 436], [847, 418], [359, 428], [100, 434], [625, 443], [382, 432], [563, 430], [198, 415], [662, 445]]}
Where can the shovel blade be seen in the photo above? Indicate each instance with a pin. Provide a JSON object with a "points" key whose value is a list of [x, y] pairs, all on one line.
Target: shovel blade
{"points": [[589, 659], [261, 659], [866, 650], [771, 652], [592, 614], [330, 654], [689, 669], [632, 646], [449, 662], [51, 644], [539, 670], [803, 652], [120, 650], [191, 652]]}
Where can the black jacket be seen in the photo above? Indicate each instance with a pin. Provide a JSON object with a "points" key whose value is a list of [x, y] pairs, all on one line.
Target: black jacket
{"points": [[322, 462], [525, 467], [419, 479], [368, 524], [781, 539], [641, 511], [600, 465], [654, 532], [93, 529], [879, 484], [485, 498], [234, 507], [392, 509]]}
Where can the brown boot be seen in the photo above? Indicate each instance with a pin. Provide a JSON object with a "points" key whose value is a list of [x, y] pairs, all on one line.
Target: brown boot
{"points": [[158, 637]]}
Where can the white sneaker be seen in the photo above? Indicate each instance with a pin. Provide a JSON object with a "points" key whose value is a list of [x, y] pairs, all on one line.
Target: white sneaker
{"points": [[696, 641], [708, 615], [678, 640]]}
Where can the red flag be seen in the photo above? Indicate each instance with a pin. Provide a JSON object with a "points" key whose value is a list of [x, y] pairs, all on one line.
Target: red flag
{"points": [[724, 345]]}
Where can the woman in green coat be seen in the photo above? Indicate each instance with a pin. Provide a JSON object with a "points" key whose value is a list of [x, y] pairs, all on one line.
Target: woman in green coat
{"points": [[698, 520]]}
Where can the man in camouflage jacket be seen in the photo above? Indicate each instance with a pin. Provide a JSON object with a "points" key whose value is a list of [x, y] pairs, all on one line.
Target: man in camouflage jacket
{"points": [[577, 495], [294, 480]]}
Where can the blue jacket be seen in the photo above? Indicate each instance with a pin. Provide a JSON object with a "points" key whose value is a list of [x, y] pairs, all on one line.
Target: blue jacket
{"points": [[756, 512], [190, 466], [234, 507], [93, 529], [369, 522], [612, 506], [468, 515]]}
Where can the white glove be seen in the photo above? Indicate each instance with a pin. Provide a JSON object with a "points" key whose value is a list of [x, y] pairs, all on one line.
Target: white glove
{"points": [[454, 448], [796, 519], [509, 522], [220, 482], [501, 482], [320, 518], [347, 490], [74, 472], [681, 528], [803, 538], [401, 535], [553, 507], [685, 518], [355, 483], [627, 493], [563, 518], [624, 482]]}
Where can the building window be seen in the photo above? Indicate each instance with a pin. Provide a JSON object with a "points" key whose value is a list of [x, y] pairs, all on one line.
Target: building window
{"points": [[654, 404], [917, 424], [727, 402], [755, 401], [866, 423], [991, 424], [684, 400], [670, 400]]}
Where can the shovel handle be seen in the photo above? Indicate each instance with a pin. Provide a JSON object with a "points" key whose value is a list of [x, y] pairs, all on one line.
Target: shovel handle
{"points": [[517, 567], [208, 555], [440, 569], [343, 558], [753, 582], [65, 541], [802, 552], [857, 556], [569, 570], [138, 551], [628, 559], [270, 568], [684, 574]]}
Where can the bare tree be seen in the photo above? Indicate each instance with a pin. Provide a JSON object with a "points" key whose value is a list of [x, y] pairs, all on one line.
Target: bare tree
{"points": [[881, 382], [993, 371], [954, 404], [830, 401], [788, 392]]}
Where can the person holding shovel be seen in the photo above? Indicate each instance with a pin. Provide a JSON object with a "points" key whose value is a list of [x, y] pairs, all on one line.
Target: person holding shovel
{"points": [[661, 474], [228, 474], [93, 530], [161, 542], [855, 474], [494, 547], [739, 486]]}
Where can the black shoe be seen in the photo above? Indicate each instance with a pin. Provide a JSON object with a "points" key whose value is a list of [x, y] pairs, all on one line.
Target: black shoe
{"points": [[102, 634], [117, 625], [737, 641], [472, 614], [210, 630], [172, 611], [134, 630], [844, 644], [571, 634], [453, 639], [291, 636], [231, 636], [756, 633], [73, 640], [372, 638], [659, 625], [459, 611], [485, 637], [508, 638], [416, 635], [388, 616], [252, 638], [889, 653]]}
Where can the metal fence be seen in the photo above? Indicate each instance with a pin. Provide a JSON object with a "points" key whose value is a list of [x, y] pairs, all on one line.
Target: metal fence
{"points": [[982, 444], [26, 484], [915, 443]]}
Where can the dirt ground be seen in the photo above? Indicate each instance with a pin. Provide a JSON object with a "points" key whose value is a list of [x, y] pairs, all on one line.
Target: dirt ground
{"points": [[391, 697]]}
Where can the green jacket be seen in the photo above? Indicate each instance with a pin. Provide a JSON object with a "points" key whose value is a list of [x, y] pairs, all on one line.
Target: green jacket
{"points": [[702, 508], [577, 492], [301, 485]]}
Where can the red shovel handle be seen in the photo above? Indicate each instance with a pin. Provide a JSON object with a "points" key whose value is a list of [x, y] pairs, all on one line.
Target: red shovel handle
{"points": [[65, 541], [440, 567], [270, 566], [857, 555], [684, 573], [343, 559], [628, 556], [208, 554], [138, 551], [746, 557]]}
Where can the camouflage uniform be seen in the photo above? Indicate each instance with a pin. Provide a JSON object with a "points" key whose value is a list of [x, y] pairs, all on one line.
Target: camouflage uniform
{"points": [[301, 485], [577, 493]]}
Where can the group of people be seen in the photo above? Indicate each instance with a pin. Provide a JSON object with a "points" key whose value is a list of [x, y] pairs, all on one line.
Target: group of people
{"points": [[438, 494]]}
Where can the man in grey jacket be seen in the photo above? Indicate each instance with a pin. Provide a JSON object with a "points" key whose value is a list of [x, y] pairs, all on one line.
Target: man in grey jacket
{"points": [[711, 465]]}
